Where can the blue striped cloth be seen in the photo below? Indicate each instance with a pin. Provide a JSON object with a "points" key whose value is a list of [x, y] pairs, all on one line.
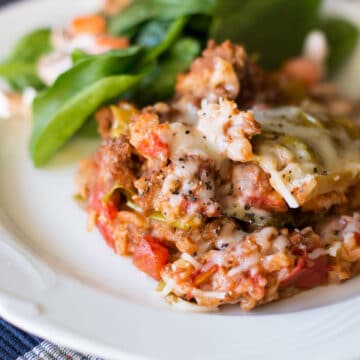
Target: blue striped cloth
{"points": [[18, 345], [3, 2], [15, 344]]}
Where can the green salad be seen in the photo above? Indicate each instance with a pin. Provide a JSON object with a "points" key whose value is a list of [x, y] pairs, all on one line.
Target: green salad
{"points": [[137, 53]]}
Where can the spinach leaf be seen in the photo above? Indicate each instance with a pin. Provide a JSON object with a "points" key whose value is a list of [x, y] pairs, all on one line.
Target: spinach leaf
{"points": [[342, 37], [172, 32], [48, 137], [19, 69], [160, 84], [79, 55], [89, 129], [169, 38], [141, 11], [31, 46], [62, 109], [199, 26], [273, 29], [20, 75], [152, 33]]}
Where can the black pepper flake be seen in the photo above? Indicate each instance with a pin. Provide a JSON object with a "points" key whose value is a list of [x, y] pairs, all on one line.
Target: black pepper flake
{"points": [[231, 189], [250, 217], [224, 245], [247, 207], [176, 192], [204, 137], [181, 159], [208, 185], [324, 173], [183, 166], [195, 253], [315, 170], [218, 231], [190, 192], [187, 132]]}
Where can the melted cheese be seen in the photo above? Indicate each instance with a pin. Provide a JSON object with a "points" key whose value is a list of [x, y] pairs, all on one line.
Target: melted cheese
{"points": [[227, 129], [188, 141], [305, 157]]}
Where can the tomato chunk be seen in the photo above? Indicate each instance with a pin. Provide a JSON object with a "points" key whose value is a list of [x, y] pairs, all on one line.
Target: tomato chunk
{"points": [[307, 277], [152, 146], [314, 276], [106, 214], [97, 203], [151, 257], [113, 42], [106, 230], [303, 70], [91, 24]]}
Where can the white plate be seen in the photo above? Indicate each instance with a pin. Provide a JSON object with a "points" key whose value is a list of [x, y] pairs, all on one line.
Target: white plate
{"points": [[64, 284]]}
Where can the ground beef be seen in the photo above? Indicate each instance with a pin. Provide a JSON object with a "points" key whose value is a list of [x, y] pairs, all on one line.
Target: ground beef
{"points": [[224, 70], [185, 182], [104, 118], [116, 163]]}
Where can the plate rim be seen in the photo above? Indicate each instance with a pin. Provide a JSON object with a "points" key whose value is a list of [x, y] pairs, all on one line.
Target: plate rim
{"points": [[37, 312]]}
